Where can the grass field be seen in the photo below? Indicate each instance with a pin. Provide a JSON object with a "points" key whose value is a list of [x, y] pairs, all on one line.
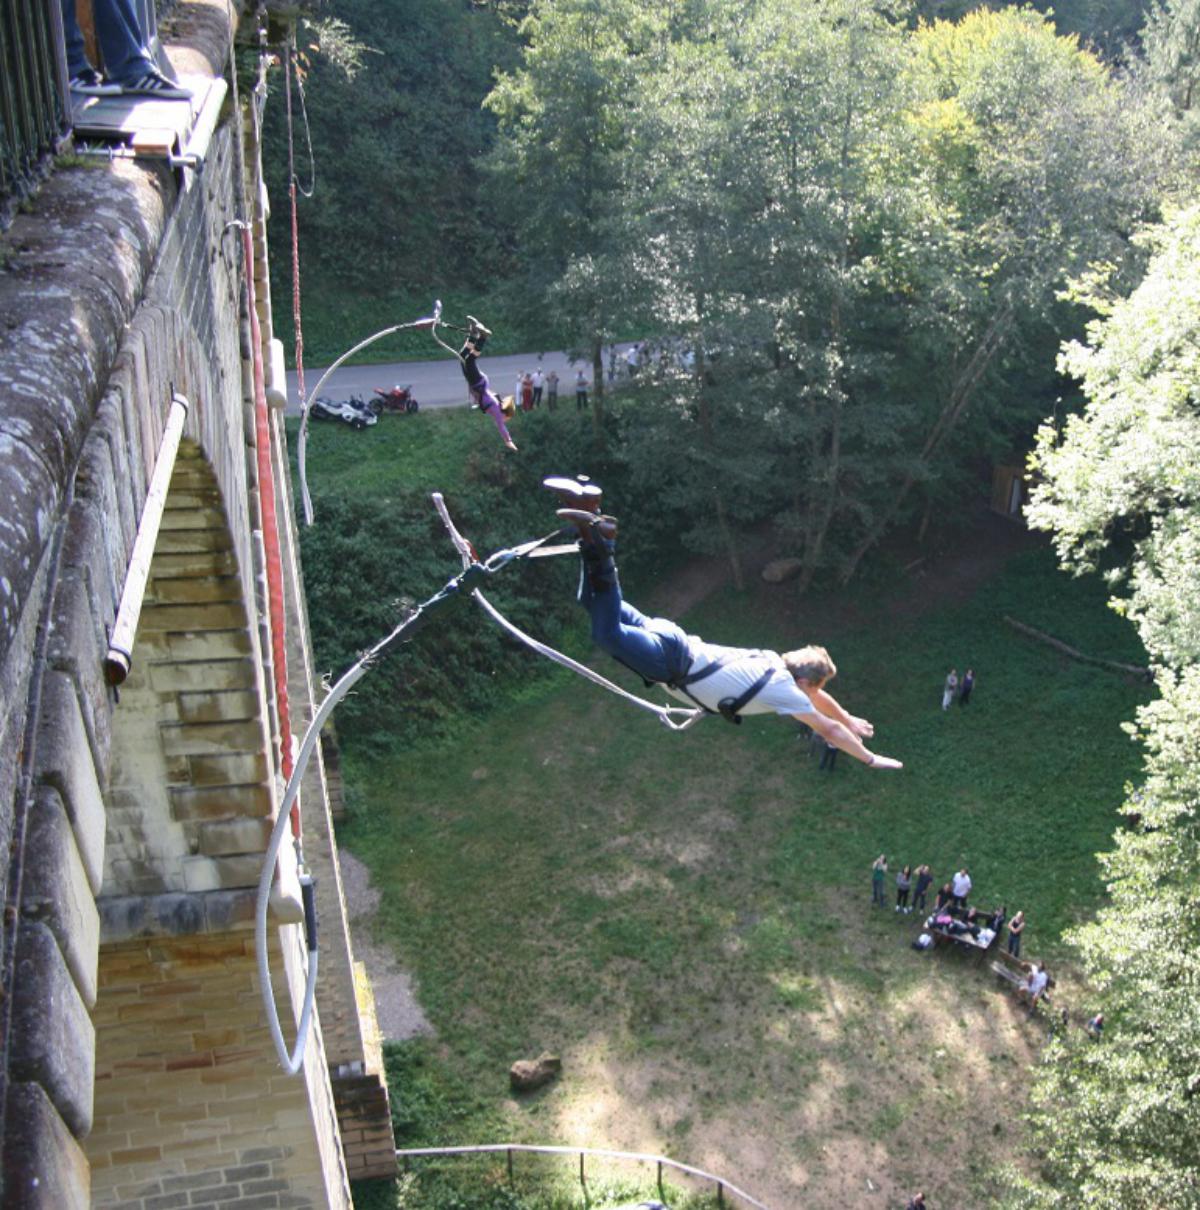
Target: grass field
{"points": [[686, 919]]}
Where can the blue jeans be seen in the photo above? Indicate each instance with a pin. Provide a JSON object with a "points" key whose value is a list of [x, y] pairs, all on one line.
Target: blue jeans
{"points": [[1014, 944], [122, 44], [655, 648]]}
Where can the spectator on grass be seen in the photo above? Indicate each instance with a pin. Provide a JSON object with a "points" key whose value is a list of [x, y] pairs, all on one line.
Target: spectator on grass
{"points": [[1095, 1026], [1016, 926], [581, 390], [526, 392], [878, 873], [903, 883], [538, 386], [916, 1202], [964, 690], [997, 918], [924, 879], [552, 390], [828, 753], [949, 688], [129, 67], [961, 882], [944, 898], [1033, 987]]}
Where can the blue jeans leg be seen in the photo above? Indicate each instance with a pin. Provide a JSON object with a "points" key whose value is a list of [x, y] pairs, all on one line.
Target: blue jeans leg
{"points": [[653, 647], [122, 45], [77, 61]]}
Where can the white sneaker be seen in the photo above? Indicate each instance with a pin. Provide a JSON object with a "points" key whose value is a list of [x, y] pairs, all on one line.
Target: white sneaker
{"points": [[155, 84], [90, 83], [572, 492]]}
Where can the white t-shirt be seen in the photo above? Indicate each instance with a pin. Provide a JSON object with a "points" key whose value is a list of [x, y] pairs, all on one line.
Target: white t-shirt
{"points": [[780, 695], [1037, 982], [962, 885]]}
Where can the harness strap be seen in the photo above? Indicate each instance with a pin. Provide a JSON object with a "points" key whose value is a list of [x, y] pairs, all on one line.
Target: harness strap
{"points": [[731, 707]]}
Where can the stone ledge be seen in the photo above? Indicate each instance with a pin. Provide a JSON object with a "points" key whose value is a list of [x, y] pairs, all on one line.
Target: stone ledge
{"points": [[176, 914], [56, 892], [44, 1168], [54, 1044]]}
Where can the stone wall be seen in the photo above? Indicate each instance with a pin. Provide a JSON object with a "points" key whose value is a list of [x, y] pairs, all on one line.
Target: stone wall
{"points": [[191, 1106], [137, 1067]]}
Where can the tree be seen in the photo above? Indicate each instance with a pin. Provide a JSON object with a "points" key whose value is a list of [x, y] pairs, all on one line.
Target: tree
{"points": [[1171, 43], [559, 162], [1036, 163], [1120, 1121]]}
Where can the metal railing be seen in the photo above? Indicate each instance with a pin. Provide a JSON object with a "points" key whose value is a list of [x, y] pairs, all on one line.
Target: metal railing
{"points": [[34, 103], [722, 1188]]}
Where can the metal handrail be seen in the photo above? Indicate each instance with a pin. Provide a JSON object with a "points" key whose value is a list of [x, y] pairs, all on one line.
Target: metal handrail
{"points": [[723, 1186], [34, 101]]}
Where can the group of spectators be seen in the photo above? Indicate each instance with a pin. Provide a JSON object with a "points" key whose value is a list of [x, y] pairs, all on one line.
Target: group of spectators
{"points": [[953, 687], [533, 385], [952, 898]]}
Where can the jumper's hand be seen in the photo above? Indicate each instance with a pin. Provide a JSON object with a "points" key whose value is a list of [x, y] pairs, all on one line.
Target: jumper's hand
{"points": [[861, 728], [886, 762]]}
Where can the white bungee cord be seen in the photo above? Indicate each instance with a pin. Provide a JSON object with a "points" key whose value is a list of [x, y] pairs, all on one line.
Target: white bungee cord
{"points": [[677, 718]]}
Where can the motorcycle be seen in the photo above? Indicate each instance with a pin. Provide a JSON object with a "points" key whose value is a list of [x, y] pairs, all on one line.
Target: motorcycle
{"points": [[395, 399]]}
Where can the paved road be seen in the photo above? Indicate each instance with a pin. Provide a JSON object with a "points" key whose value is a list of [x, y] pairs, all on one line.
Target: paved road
{"points": [[437, 383]]}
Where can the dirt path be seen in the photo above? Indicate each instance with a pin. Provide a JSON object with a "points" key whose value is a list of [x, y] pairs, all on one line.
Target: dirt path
{"points": [[396, 1007]]}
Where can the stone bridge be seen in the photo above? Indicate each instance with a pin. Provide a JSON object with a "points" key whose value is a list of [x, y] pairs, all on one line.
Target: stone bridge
{"points": [[137, 1067]]}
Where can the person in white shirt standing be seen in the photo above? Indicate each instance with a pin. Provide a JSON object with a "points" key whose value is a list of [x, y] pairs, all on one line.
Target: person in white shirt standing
{"points": [[961, 884]]}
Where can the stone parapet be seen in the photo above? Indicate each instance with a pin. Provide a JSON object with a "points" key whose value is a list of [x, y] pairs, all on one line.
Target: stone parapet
{"points": [[138, 819]]}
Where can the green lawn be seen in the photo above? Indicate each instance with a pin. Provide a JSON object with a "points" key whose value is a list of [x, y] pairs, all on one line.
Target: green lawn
{"points": [[686, 919]]}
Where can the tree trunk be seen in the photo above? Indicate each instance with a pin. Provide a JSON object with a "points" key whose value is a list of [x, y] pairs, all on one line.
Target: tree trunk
{"points": [[598, 390], [707, 436], [961, 393], [924, 521]]}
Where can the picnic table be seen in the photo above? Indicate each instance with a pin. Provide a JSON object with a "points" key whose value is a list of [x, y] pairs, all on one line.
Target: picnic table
{"points": [[943, 934]]}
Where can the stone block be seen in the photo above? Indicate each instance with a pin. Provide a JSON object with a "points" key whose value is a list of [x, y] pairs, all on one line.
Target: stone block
{"points": [[96, 486], [77, 647], [31, 496], [219, 802], [54, 1044], [232, 705], [192, 541], [44, 1167], [224, 615], [201, 563], [107, 451], [211, 738], [56, 891], [125, 917], [219, 873], [198, 645], [88, 548], [227, 769], [221, 837], [64, 762], [194, 519], [195, 590]]}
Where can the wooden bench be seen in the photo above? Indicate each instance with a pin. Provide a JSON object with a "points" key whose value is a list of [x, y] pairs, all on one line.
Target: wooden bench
{"points": [[1007, 973]]}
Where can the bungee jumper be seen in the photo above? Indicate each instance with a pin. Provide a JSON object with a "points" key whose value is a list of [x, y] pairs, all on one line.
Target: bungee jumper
{"points": [[730, 681], [482, 395]]}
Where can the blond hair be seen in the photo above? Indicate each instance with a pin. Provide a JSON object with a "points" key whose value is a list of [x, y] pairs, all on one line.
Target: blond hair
{"points": [[811, 664]]}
